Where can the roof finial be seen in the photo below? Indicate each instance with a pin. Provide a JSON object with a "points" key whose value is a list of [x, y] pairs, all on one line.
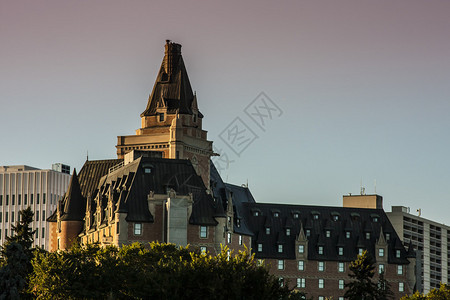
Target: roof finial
{"points": [[87, 155]]}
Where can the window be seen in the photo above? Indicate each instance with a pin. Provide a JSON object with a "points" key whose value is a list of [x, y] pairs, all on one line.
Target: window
{"points": [[381, 252], [203, 231], [341, 298], [341, 284], [335, 218], [347, 234], [301, 282], [367, 235], [1, 200], [161, 117], [388, 236], [7, 199], [37, 198], [267, 230], [341, 267], [43, 233], [13, 202], [6, 218], [0, 216], [401, 287], [117, 228], [259, 247], [280, 264], [255, 213], [238, 222], [320, 250], [321, 266], [308, 232], [202, 250], [399, 270], [301, 249], [397, 253], [301, 265], [240, 239], [321, 284], [281, 281], [316, 217], [321, 298], [25, 199], [280, 248], [12, 217], [276, 215], [43, 198], [288, 231], [19, 200], [380, 268], [137, 228], [43, 215], [360, 251], [328, 233], [37, 234], [31, 198], [296, 216], [341, 250], [229, 237]]}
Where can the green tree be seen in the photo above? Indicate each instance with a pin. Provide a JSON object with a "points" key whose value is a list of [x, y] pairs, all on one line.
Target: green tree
{"points": [[16, 255], [443, 293], [384, 291], [159, 271], [362, 271]]}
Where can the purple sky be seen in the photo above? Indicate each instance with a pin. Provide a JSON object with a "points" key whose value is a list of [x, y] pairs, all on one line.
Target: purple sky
{"points": [[363, 86]]}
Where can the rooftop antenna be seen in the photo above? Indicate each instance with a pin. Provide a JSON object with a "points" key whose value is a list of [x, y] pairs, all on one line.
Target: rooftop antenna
{"points": [[87, 155], [363, 190]]}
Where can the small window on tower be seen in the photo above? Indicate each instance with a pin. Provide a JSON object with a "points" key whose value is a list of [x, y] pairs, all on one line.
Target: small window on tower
{"points": [[161, 117]]}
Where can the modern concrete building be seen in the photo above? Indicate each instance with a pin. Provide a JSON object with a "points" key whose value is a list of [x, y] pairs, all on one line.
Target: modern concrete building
{"points": [[432, 242], [22, 186]]}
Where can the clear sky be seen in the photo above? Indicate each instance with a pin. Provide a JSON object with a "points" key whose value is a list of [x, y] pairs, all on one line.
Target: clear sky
{"points": [[363, 87]]}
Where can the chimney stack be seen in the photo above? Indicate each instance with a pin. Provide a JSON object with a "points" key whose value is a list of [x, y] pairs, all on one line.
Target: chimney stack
{"points": [[172, 54]]}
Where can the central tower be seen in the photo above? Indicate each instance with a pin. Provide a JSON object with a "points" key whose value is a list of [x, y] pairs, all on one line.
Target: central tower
{"points": [[171, 125]]}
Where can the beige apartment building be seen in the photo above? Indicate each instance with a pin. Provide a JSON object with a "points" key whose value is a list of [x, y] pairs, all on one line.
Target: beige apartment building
{"points": [[430, 239], [22, 186]]}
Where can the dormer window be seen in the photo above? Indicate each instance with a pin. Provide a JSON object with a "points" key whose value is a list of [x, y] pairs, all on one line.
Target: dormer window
{"points": [[267, 230], [238, 222], [316, 217], [256, 213], [341, 251], [335, 218], [259, 247], [360, 251], [320, 250], [388, 236], [161, 117], [195, 118], [347, 234], [328, 233], [308, 232], [295, 215], [280, 248], [375, 219], [147, 170], [397, 253], [288, 231], [367, 235], [276, 215]]}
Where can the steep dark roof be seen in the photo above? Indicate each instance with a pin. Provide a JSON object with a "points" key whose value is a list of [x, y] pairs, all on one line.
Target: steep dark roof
{"points": [[73, 202], [132, 184], [354, 220], [172, 88], [92, 171]]}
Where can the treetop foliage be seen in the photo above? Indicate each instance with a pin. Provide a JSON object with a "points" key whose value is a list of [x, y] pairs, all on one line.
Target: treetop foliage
{"points": [[159, 271]]}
